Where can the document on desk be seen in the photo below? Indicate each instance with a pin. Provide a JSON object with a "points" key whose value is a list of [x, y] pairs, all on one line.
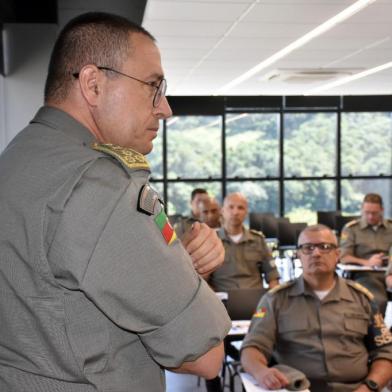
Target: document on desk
{"points": [[239, 327], [356, 267], [250, 385]]}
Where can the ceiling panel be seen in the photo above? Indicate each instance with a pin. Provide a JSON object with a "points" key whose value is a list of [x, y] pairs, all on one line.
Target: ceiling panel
{"points": [[206, 44]]}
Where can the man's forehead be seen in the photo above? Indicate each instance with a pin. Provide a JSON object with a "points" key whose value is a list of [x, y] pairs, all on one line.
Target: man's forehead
{"points": [[316, 237], [145, 55], [371, 206]]}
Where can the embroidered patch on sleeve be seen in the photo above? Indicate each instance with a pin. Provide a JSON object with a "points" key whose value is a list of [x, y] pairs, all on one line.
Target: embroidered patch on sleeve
{"points": [[147, 200], [167, 231], [261, 312]]}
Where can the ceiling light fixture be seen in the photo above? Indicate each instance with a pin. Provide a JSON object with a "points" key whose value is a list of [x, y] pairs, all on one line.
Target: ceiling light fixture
{"points": [[329, 24], [350, 78]]}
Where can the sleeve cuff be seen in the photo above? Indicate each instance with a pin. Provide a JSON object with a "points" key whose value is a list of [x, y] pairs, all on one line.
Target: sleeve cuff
{"points": [[202, 325]]}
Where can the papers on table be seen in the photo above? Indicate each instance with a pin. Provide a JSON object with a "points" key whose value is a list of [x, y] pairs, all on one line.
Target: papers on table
{"points": [[356, 267], [250, 385], [239, 327]]}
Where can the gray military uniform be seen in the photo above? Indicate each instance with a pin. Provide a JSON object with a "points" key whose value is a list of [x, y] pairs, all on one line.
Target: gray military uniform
{"points": [[323, 339], [240, 268], [361, 240], [93, 298]]}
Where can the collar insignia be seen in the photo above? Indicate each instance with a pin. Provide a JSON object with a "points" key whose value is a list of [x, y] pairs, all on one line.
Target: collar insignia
{"points": [[128, 157]]}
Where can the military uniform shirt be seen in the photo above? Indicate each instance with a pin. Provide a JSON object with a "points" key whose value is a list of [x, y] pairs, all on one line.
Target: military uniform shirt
{"points": [[92, 297], [323, 339], [360, 239], [240, 269]]}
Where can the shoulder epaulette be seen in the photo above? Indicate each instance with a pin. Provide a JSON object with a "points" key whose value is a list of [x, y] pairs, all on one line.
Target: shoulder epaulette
{"points": [[361, 288], [353, 222], [280, 287], [257, 232], [128, 157]]}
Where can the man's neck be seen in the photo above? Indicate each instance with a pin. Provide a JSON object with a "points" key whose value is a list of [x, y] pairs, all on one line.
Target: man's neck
{"points": [[320, 282], [233, 230]]}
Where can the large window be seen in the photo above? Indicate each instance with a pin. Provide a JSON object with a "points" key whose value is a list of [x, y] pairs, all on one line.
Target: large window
{"points": [[252, 145], [309, 144], [194, 147], [292, 156], [366, 144], [262, 195]]}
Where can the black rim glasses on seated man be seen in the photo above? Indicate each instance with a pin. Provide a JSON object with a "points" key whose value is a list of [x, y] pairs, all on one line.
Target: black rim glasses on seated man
{"points": [[323, 247]]}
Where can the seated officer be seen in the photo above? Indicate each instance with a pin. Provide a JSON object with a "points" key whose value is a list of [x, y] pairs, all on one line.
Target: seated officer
{"points": [[246, 253], [185, 224], [209, 212], [323, 325], [366, 241]]}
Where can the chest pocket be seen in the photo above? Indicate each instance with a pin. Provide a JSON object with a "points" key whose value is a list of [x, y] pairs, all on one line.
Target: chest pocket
{"points": [[252, 253], [356, 322], [292, 323]]}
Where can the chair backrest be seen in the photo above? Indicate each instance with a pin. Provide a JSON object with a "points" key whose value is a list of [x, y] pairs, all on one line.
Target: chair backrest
{"points": [[286, 232], [298, 227], [342, 220], [328, 218], [241, 303], [265, 222]]}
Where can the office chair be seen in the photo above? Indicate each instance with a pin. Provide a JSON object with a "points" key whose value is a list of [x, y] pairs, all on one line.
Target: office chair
{"points": [[328, 218], [342, 220]]}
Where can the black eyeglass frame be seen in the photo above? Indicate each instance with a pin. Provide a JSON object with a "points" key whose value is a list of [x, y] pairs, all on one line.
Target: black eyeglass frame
{"points": [[323, 247], [160, 88]]}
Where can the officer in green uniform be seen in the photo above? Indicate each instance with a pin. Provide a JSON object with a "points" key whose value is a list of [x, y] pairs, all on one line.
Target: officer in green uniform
{"points": [[323, 325], [96, 292], [246, 253], [184, 225], [366, 241]]}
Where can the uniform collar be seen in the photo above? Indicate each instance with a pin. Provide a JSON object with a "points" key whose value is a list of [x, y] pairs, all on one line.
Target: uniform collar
{"points": [[60, 120], [246, 236], [339, 292], [364, 225]]}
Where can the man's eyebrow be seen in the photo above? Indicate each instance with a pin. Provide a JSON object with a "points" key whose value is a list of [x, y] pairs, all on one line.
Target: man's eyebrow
{"points": [[157, 76]]}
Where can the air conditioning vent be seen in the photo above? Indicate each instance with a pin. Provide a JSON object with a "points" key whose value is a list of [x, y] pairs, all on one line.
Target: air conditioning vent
{"points": [[308, 75]]}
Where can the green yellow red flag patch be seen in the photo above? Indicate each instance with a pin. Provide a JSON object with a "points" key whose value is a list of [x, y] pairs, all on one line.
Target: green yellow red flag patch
{"points": [[168, 233], [261, 312]]}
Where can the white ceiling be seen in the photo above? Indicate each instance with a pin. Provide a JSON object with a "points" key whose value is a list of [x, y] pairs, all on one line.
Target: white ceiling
{"points": [[205, 44]]}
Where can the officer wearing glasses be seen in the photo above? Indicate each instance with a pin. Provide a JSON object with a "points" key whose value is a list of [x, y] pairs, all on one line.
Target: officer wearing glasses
{"points": [[96, 291], [327, 327]]}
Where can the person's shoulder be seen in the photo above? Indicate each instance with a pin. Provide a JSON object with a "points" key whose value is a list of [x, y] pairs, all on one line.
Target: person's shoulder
{"points": [[127, 158], [281, 287], [257, 233], [352, 224], [388, 222], [359, 288]]}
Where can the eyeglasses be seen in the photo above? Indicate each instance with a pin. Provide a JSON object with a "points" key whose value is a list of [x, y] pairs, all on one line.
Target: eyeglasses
{"points": [[323, 247], [160, 87]]}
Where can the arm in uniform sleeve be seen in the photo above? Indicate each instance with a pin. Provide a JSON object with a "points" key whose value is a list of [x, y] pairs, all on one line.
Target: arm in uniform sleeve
{"points": [[268, 263], [379, 338], [119, 258], [347, 243], [263, 328]]}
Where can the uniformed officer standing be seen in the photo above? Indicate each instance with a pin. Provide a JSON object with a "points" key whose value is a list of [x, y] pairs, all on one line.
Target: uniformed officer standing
{"points": [[96, 292], [246, 252], [366, 241], [327, 327]]}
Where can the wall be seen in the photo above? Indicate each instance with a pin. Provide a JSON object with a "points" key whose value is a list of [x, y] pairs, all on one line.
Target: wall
{"points": [[27, 49]]}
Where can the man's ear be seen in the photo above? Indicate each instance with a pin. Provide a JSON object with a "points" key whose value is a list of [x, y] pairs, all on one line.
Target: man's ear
{"points": [[90, 79]]}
